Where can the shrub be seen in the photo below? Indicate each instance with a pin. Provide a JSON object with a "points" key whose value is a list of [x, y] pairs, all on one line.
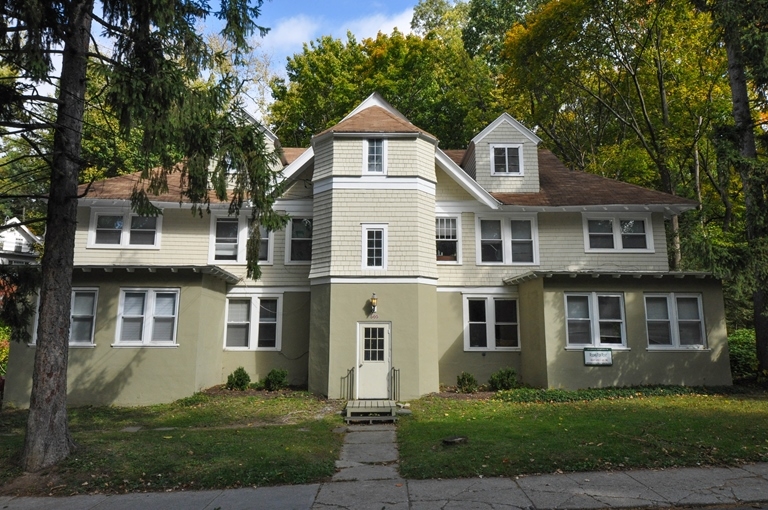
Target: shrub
{"points": [[238, 380], [466, 383], [504, 379], [276, 379], [4, 348], [743, 353]]}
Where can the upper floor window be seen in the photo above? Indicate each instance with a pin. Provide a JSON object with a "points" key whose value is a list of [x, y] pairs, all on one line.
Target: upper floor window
{"points": [[595, 319], [300, 240], [123, 229], [374, 246], [229, 237], [147, 317], [674, 321], [618, 233], [447, 239], [490, 323], [375, 156], [506, 159], [507, 240], [254, 323]]}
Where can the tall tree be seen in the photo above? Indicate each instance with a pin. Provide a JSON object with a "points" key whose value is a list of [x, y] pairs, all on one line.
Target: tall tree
{"points": [[150, 72], [743, 25], [596, 74]]}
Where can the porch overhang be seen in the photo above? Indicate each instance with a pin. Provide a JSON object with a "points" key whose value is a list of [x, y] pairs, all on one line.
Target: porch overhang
{"points": [[212, 270], [532, 275]]}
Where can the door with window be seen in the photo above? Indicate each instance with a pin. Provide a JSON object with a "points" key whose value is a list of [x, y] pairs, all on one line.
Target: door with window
{"points": [[373, 360]]}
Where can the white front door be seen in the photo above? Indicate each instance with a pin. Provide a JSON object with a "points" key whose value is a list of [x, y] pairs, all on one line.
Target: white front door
{"points": [[373, 360]]}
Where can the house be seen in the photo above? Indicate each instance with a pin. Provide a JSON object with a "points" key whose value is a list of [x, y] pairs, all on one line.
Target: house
{"points": [[402, 265], [17, 243]]}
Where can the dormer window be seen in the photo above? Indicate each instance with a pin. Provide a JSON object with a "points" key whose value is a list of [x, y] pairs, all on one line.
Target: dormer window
{"points": [[506, 159], [375, 156]]}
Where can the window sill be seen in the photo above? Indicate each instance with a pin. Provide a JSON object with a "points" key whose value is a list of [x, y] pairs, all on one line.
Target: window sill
{"points": [[448, 262], [82, 346], [617, 250], [251, 349], [507, 174], [123, 247], [498, 349], [126, 345], [582, 347], [679, 349]]}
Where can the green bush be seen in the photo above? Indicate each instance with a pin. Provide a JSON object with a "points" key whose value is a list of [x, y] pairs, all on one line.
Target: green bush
{"points": [[466, 383], [276, 379], [5, 346], [743, 353], [238, 380], [504, 379]]}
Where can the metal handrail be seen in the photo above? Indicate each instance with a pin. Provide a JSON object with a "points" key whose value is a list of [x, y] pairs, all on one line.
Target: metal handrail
{"points": [[347, 388], [394, 384]]}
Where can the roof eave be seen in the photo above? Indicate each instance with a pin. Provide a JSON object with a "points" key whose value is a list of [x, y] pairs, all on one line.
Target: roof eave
{"points": [[533, 275]]}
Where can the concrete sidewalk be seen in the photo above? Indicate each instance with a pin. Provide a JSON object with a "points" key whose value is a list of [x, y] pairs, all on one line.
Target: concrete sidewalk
{"points": [[367, 478]]}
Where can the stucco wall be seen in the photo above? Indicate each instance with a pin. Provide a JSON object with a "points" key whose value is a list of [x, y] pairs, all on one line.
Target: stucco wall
{"points": [[109, 375], [637, 364], [294, 351], [409, 308], [453, 358]]}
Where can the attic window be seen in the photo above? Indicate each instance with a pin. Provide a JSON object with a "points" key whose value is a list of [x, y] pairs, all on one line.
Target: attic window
{"points": [[506, 160], [375, 156]]}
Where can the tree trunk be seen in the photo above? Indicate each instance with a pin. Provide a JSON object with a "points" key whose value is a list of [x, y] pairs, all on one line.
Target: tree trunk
{"points": [[48, 440], [754, 201]]}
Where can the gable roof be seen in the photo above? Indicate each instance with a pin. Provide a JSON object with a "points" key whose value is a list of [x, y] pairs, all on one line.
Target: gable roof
{"points": [[506, 118]]}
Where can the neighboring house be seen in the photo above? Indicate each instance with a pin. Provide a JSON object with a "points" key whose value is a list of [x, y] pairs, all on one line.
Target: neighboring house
{"points": [[402, 265], [17, 243]]}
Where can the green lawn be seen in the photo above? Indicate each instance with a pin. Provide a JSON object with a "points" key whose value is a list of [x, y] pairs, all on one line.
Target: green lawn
{"points": [[507, 439], [208, 442]]}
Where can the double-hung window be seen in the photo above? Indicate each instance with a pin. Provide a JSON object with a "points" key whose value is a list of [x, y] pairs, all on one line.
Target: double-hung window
{"points": [[447, 239], [375, 156], [123, 229], [300, 240], [618, 233], [374, 246], [674, 321], [253, 323], [507, 240], [506, 159], [490, 323], [229, 236], [595, 319], [147, 317], [83, 316]]}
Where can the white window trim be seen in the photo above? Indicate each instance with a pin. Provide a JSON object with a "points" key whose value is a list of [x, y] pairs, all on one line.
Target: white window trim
{"points": [[458, 261], [384, 158], [490, 321], [288, 239], [594, 321], [90, 343], [519, 147], [125, 236], [506, 239], [242, 240], [147, 325], [366, 227], [674, 322], [616, 221], [253, 329]]}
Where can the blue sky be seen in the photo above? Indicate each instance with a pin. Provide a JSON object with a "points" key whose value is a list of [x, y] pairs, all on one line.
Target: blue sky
{"points": [[294, 22]]}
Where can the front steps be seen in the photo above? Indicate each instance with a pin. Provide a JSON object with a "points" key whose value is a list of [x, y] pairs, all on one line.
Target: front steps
{"points": [[370, 411]]}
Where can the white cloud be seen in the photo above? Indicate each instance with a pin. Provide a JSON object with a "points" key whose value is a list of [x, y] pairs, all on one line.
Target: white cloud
{"points": [[290, 33], [372, 25]]}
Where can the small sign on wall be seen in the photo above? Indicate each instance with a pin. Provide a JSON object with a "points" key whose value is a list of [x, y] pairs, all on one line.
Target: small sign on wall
{"points": [[598, 357]]}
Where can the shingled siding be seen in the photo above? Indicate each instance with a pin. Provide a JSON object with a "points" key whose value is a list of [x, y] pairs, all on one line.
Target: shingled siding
{"points": [[409, 216], [561, 246], [506, 134], [183, 241], [449, 190]]}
